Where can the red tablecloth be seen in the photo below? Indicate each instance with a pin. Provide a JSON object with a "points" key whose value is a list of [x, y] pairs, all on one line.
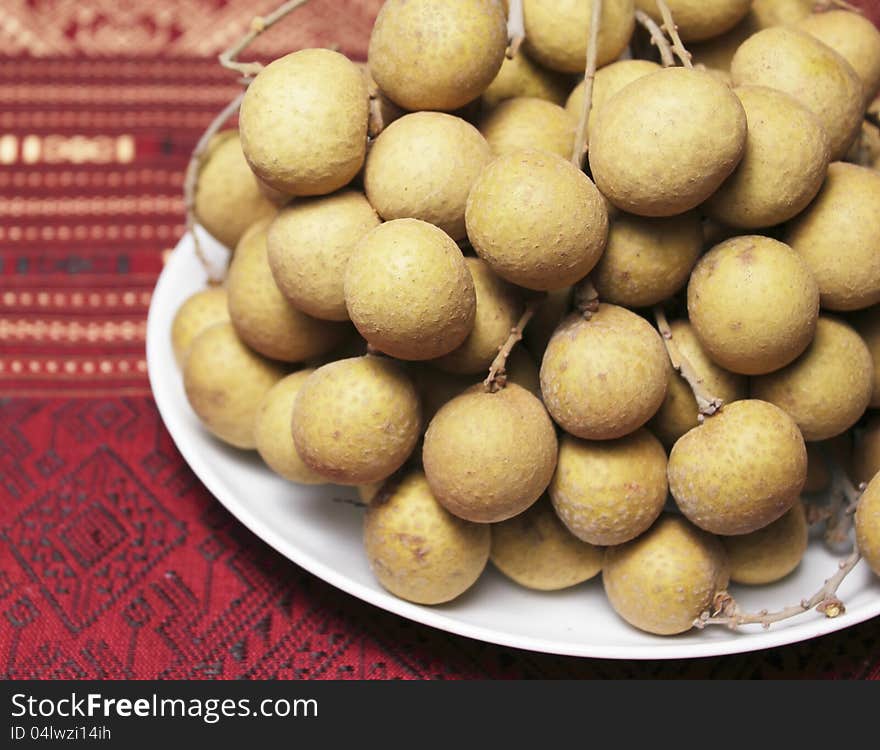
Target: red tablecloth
{"points": [[114, 560]]}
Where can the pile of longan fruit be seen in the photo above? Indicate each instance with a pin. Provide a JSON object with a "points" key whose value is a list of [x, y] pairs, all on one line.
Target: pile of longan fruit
{"points": [[395, 225]]}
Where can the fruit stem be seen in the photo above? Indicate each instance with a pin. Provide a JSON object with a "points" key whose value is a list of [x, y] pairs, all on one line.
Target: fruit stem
{"points": [[658, 39], [670, 28], [580, 141], [497, 377], [586, 298], [516, 28], [191, 180], [845, 500], [707, 404]]}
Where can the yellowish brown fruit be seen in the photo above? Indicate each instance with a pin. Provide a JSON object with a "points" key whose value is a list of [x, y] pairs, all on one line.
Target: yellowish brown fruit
{"points": [[699, 19], [528, 122], [197, 313], [867, 523], [521, 76]]}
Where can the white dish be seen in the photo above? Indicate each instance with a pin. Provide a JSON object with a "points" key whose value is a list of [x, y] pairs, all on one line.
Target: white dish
{"points": [[317, 529]]}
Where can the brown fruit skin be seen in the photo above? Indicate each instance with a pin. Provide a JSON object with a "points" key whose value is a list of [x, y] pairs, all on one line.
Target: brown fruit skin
{"points": [[264, 319], [197, 313], [521, 76], [647, 260], [309, 244], [303, 122], [740, 470], [423, 166], [476, 459], [679, 411], [418, 550], [538, 221], [792, 61], [828, 387], [867, 522], [225, 382], [535, 550], [665, 579], [608, 492], [557, 33], [605, 377], [641, 131], [785, 161], [467, 41], [529, 123], [837, 235], [771, 553], [700, 19], [753, 304], [409, 292]]}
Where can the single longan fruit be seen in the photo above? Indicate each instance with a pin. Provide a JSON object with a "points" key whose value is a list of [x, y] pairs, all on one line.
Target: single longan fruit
{"points": [[665, 579], [537, 220], [699, 19], [303, 122], [356, 420], [225, 382], [854, 38], [838, 235], [679, 411], [753, 303], [529, 123], [785, 162], [604, 377], [521, 76], [867, 522], [489, 456], [197, 313], [417, 549], [409, 292], [557, 32], [740, 470], [647, 260], [423, 166], [535, 550], [273, 432], [771, 553], [228, 196], [665, 142], [499, 305], [828, 387], [309, 244], [263, 317], [549, 314], [767, 13], [792, 61], [437, 54], [608, 492]]}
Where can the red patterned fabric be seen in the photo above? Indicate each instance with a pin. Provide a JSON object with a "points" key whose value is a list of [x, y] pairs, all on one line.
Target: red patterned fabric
{"points": [[115, 562]]}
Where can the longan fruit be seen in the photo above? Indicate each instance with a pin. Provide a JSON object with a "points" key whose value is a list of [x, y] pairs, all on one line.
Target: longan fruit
{"points": [[610, 491], [753, 303], [792, 61], [867, 522], [423, 166], [854, 38], [771, 553], [537, 220], [535, 550], [309, 244], [549, 314], [767, 13], [740, 470], [837, 235], [557, 33], [866, 451], [476, 459], [409, 292], [665, 579], [273, 432], [605, 377], [228, 197], [198, 312], [784, 165], [356, 420], [647, 260], [499, 305], [437, 54], [303, 122], [828, 387], [417, 549], [263, 317], [225, 382], [679, 411], [665, 142], [529, 123], [699, 19], [521, 76]]}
